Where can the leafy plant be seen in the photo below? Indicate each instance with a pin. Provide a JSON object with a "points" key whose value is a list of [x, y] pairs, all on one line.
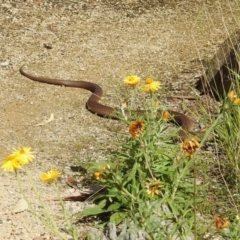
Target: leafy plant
{"points": [[148, 174]]}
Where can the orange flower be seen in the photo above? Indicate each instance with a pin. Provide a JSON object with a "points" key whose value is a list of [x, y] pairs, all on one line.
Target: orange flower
{"points": [[190, 146], [221, 222], [149, 81], [136, 128], [166, 115]]}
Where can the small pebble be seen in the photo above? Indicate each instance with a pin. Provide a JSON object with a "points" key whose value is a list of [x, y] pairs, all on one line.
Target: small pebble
{"points": [[4, 64]]}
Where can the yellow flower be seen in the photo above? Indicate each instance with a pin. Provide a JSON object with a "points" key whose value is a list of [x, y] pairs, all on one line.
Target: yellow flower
{"points": [[24, 155], [190, 146], [50, 176], [156, 104], [100, 175], [153, 187], [132, 80], [236, 101], [19, 157], [136, 128], [221, 222], [233, 97], [150, 85], [11, 163]]}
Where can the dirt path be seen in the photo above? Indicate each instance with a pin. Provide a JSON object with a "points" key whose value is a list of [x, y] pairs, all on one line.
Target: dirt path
{"points": [[99, 41]]}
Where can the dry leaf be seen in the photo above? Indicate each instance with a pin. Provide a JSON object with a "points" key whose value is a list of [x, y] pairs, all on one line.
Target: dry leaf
{"points": [[46, 121], [72, 182], [20, 206]]}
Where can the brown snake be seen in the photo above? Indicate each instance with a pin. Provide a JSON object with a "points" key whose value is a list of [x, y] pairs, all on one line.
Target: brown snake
{"points": [[217, 75], [94, 106]]}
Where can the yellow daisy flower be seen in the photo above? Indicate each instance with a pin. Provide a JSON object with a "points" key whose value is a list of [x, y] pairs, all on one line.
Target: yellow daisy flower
{"points": [[153, 187], [11, 164], [19, 157], [50, 176], [132, 80], [150, 86], [24, 155], [136, 128]]}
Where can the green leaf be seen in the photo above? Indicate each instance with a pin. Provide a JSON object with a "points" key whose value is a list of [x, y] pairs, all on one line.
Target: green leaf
{"points": [[132, 173], [114, 206], [102, 204], [92, 211], [118, 217]]}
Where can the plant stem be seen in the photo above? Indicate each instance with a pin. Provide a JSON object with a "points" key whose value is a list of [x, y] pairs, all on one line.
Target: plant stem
{"points": [[194, 198], [52, 226]]}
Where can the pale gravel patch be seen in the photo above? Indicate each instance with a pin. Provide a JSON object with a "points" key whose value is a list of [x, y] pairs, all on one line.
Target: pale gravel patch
{"points": [[99, 41]]}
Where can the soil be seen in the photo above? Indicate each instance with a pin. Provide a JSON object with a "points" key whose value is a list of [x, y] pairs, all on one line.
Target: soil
{"points": [[101, 41]]}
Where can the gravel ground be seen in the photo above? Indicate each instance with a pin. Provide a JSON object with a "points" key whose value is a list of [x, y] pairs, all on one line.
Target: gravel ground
{"points": [[100, 41]]}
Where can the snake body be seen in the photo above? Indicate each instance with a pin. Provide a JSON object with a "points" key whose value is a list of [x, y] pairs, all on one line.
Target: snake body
{"points": [[217, 79], [94, 106]]}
